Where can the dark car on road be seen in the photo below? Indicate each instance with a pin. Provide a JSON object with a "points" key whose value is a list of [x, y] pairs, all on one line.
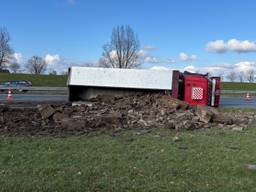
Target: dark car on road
{"points": [[15, 85]]}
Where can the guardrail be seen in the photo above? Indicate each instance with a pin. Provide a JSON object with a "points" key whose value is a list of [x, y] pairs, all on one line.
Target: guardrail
{"points": [[35, 88], [65, 89], [237, 91]]}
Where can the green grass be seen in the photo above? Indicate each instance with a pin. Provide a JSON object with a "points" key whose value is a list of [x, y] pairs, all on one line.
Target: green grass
{"points": [[37, 80], [238, 86], [61, 80], [205, 160]]}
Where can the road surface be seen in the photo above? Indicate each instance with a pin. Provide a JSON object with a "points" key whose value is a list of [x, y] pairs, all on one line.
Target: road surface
{"points": [[34, 98], [236, 102]]}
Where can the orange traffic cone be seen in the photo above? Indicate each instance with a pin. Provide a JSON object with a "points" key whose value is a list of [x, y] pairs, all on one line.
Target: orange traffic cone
{"points": [[9, 96], [248, 97]]}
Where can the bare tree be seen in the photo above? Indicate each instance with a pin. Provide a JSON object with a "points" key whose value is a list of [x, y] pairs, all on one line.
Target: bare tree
{"points": [[241, 76], [36, 65], [250, 75], [14, 67], [122, 51], [231, 76], [5, 49]]}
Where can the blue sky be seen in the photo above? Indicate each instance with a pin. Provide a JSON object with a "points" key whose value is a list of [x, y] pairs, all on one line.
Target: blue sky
{"points": [[182, 30]]}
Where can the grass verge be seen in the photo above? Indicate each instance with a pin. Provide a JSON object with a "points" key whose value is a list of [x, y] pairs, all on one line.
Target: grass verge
{"points": [[205, 160], [37, 80], [238, 86], [60, 80]]}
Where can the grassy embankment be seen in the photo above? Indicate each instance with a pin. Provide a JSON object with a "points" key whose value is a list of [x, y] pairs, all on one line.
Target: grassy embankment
{"points": [[235, 86], [204, 160], [60, 80], [37, 80], [238, 86]]}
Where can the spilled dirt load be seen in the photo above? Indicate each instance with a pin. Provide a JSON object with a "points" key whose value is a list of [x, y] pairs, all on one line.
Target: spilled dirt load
{"points": [[114, 114]]}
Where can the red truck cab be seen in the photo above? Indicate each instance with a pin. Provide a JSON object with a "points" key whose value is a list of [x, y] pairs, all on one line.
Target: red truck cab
{"points": [[196, 89]]}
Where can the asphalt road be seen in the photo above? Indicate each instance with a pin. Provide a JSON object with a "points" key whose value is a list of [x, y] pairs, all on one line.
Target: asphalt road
{"points": [[236, 102], [34, 98]]}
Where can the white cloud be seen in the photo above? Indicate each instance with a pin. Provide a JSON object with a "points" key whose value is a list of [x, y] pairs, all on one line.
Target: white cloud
{"points": [[151, 59], [146, 56], [213, 70], [217, 68], [142, 53], [245, 66], [57, 63], [170, 61], [18, 58], [219, 46], [190, 68], [241, 46], [224, 68], [185, 57], [52, 59]]}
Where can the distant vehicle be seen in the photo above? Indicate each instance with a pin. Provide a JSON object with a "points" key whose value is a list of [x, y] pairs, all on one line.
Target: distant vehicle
{"points": [[16, 85]]}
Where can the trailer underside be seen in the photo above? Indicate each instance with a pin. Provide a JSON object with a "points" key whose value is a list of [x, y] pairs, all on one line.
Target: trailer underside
{"points": [[83, 93]]}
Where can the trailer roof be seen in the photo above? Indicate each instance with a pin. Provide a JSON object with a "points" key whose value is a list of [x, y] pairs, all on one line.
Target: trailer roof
{"points": [[120, 78]]}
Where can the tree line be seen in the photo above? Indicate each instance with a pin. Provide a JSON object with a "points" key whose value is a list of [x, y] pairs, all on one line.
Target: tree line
{"points": [[35, 64], [247, 76], [121, 52]]}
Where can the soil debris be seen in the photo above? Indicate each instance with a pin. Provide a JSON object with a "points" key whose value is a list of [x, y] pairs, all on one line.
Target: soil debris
{"points": [[113, 114]]}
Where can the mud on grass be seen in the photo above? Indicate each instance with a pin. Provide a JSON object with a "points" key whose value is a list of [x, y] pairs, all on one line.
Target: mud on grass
{"points": [[204, 160]]}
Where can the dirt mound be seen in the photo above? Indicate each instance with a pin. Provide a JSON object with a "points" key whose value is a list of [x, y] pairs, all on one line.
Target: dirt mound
{"points": [[113, 114]]}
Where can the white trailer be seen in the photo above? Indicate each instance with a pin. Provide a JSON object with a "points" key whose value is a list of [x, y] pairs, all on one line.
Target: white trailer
{"points": [[88, 82], [196, 89]]}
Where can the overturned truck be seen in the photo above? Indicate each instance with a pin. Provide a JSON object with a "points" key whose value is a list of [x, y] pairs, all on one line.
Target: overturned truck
{"points": [[196, 89]]}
